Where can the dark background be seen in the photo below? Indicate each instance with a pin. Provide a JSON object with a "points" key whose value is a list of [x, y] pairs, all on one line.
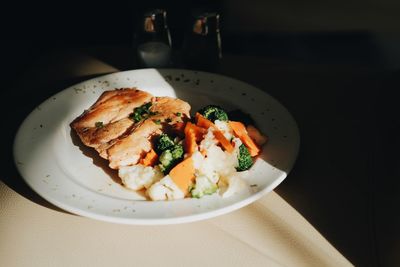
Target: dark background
{"points": [[359, 35], [328, 31], [33, 29]]}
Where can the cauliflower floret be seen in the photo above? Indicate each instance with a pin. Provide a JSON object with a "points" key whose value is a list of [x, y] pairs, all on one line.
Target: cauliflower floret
{"points": [[224, 127], [208, 141], [165, 189], [198, 159], [232, 184], [219, 161], [217, 168], [203, 187], [139, 176], [204, 166]]}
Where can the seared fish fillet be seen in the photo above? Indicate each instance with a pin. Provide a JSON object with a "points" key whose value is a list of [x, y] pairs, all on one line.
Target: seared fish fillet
{"points": [[107, 118]]}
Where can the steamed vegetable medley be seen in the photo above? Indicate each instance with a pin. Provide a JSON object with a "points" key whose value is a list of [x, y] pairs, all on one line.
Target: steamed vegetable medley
{"points": [[208, 155]]}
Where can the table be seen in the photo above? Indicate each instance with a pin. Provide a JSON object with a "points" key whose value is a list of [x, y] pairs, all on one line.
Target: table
{"points": [[321, 215]]}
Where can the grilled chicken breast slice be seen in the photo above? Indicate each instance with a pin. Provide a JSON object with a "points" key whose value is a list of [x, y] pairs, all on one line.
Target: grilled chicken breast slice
{"points": [[129, 149], [110, 112]]}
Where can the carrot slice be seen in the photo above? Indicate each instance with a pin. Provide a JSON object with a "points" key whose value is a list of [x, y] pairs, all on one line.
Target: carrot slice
{"points": [[240, 131], [238, 128], [198, 131], [190, 142], [183, 174], [256, 135], [150, 159], [249, 143], [203, 122], [223, 141]]}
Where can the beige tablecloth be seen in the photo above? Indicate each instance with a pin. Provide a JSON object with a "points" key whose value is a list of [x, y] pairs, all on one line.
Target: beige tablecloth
{"points": [[268, 232]]}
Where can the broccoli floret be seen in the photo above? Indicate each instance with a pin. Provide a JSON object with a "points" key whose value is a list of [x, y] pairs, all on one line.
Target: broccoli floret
{"points": [[212, 113], [165, 160], [244, 159], [177, 152], [170, 157], [170, 153], [203, 187], [163, 143]]}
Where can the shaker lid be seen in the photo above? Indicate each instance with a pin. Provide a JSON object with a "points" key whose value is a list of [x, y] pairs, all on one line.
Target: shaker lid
{"points": [[155, 20], [206, 23]]}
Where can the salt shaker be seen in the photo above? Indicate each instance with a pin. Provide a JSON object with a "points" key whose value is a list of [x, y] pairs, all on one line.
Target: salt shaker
{"points": [[202, 45], [153, 40]]}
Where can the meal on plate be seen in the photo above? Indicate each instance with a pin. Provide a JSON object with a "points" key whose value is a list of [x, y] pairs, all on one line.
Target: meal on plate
{"points": [[157, 147]]}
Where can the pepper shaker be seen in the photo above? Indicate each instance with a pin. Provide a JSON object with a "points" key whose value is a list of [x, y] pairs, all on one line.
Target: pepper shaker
{"points": [[202, 45]]}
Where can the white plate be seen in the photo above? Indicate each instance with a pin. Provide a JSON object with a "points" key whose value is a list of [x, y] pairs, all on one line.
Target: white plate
{"points": [[55, 165]]}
